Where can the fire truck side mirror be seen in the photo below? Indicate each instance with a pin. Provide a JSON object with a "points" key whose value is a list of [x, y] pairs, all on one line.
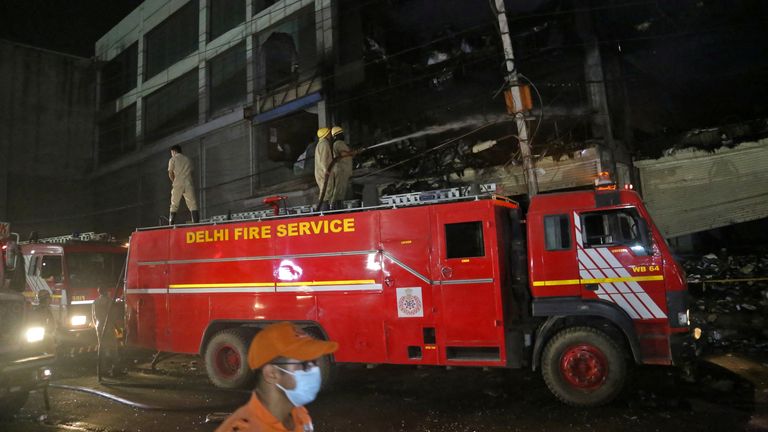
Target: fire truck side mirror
{"points": [[11, 255]]}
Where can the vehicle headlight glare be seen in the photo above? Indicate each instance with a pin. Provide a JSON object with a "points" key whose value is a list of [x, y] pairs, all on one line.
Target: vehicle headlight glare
{"points": [[78, 320], [35, 334]]}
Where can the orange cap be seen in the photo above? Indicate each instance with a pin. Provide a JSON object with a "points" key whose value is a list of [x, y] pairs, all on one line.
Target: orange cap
{"points": [[286, 340]]}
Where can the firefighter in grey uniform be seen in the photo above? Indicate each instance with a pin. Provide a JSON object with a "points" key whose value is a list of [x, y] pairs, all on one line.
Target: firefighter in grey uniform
{"points": [[180, 173], [342, 169]]}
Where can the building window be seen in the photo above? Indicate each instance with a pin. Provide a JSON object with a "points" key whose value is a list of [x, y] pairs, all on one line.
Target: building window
{"points": [[288, 147], [117, 134], [172, 108], [119, 74], [260, 5], [227, 78], [287, 51], [557, 234], [224, 15], [172, 40], [464, 240]]}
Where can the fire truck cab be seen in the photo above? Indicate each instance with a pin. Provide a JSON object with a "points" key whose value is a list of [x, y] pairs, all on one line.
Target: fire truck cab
{"points": [[581, 289], [71, 269]]}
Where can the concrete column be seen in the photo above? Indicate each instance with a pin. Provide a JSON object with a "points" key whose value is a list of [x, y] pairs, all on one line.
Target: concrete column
{"points": [[596, 92], [325, 52], [139, 88], [202, 66]]}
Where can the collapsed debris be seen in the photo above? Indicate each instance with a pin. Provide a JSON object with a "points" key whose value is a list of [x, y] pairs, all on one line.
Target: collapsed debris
{"points": [[730, 301]]}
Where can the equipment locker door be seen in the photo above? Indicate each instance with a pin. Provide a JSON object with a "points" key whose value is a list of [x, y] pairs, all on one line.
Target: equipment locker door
{"points": [[470, 310]]}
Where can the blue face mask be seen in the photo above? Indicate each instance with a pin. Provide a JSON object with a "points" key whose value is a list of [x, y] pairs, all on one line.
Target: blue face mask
{"points": [[307, 385]]}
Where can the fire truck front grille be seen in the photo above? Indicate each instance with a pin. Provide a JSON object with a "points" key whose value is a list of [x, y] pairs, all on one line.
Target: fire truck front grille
{"points": [[11, 321]]}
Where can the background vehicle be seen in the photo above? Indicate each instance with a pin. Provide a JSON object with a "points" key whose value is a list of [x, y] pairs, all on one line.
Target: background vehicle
{"points": [[72, 268], [582, 290], [25, 359]]}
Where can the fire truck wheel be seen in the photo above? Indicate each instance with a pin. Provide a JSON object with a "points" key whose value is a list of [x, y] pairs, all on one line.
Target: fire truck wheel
{"points": [[584, 367], [226, 359]]}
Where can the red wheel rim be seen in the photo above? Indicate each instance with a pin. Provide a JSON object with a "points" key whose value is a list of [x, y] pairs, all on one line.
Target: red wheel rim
{"points": [[584, 366], [228, 361]]}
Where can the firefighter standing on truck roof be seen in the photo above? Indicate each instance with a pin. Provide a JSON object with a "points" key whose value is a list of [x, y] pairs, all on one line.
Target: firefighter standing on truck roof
{"points": [[342, 169], [287, 378], [180, 173], [323, 158]]}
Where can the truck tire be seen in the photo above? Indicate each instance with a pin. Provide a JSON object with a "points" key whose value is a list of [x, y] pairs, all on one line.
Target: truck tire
{"points": [[584, 367], [226, 359], [11, 404]]}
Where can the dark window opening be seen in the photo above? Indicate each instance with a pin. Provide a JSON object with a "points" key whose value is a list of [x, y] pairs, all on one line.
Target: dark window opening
{"points": [[227, 78], [260, 5], [119, 74], [287, 52], [117, 135], [224, 15], [288, 149], [616, 227], [464, 240], [557, 233], [172, 40], [51, 269], [172, 108]]}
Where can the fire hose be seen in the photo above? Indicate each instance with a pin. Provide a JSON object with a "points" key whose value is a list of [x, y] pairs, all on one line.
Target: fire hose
{"points": [[134, 404]]}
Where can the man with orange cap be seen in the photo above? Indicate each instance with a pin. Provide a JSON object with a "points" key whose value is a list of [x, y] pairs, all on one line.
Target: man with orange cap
{"points": [[288, 378]]}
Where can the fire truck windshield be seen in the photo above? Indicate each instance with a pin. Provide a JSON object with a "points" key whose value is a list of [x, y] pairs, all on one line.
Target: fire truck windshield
{"points": [[94, 269]]}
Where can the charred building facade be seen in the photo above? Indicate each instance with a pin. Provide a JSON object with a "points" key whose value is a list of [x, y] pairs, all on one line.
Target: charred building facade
{"points": [[243, 86]]}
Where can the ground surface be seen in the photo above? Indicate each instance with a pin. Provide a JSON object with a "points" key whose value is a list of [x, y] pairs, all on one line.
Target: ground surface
{"points": [[390, 398]]}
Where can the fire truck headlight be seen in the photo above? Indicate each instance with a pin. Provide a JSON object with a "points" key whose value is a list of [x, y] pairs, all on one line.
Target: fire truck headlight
{"points": [[35, 334], [696, 333], [683, 318], [78, 320]]}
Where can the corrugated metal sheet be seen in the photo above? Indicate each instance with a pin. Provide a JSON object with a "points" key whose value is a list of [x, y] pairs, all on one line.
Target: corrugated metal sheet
{"points": [[580, 169], [694, 190]]}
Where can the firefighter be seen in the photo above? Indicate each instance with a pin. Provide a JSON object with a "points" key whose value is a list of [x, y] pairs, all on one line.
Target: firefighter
{"points": [[104, 318], [323, 158], [342, 169], [180, 173], [287, 378]]}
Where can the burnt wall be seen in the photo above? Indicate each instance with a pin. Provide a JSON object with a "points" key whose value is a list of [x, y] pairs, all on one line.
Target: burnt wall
{"points": [[46, 139]]}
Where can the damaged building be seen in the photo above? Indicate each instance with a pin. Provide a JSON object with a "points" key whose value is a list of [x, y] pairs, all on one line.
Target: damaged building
{"points": [[243, 86]]}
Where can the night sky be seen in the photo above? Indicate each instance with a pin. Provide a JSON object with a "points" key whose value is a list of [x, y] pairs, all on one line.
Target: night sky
{"points": [[70, 26]]}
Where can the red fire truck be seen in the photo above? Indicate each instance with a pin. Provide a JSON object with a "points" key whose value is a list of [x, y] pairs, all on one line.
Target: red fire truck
{"points": [[581, 287], [71, 268]]}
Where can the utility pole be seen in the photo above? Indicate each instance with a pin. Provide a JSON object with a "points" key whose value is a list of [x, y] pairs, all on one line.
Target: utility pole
{"points": [[514, 89]]}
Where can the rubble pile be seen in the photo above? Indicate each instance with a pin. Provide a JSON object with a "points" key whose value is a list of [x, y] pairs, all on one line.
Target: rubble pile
{"points": [[730, 301]]}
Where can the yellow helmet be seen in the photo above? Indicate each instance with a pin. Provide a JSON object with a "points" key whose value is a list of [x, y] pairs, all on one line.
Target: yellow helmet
{"points": [[323, 132], [336, 130]]}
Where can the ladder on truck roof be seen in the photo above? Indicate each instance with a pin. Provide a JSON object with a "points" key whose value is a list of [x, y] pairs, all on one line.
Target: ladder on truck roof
{"points": [[399, 200], [87, 236]]}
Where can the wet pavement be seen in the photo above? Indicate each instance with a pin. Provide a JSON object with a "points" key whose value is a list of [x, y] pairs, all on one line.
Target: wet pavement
{"points": [[730, 394]]}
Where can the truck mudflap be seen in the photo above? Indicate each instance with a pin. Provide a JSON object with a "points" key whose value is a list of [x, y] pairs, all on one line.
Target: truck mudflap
{"points": [[25, 374]]}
